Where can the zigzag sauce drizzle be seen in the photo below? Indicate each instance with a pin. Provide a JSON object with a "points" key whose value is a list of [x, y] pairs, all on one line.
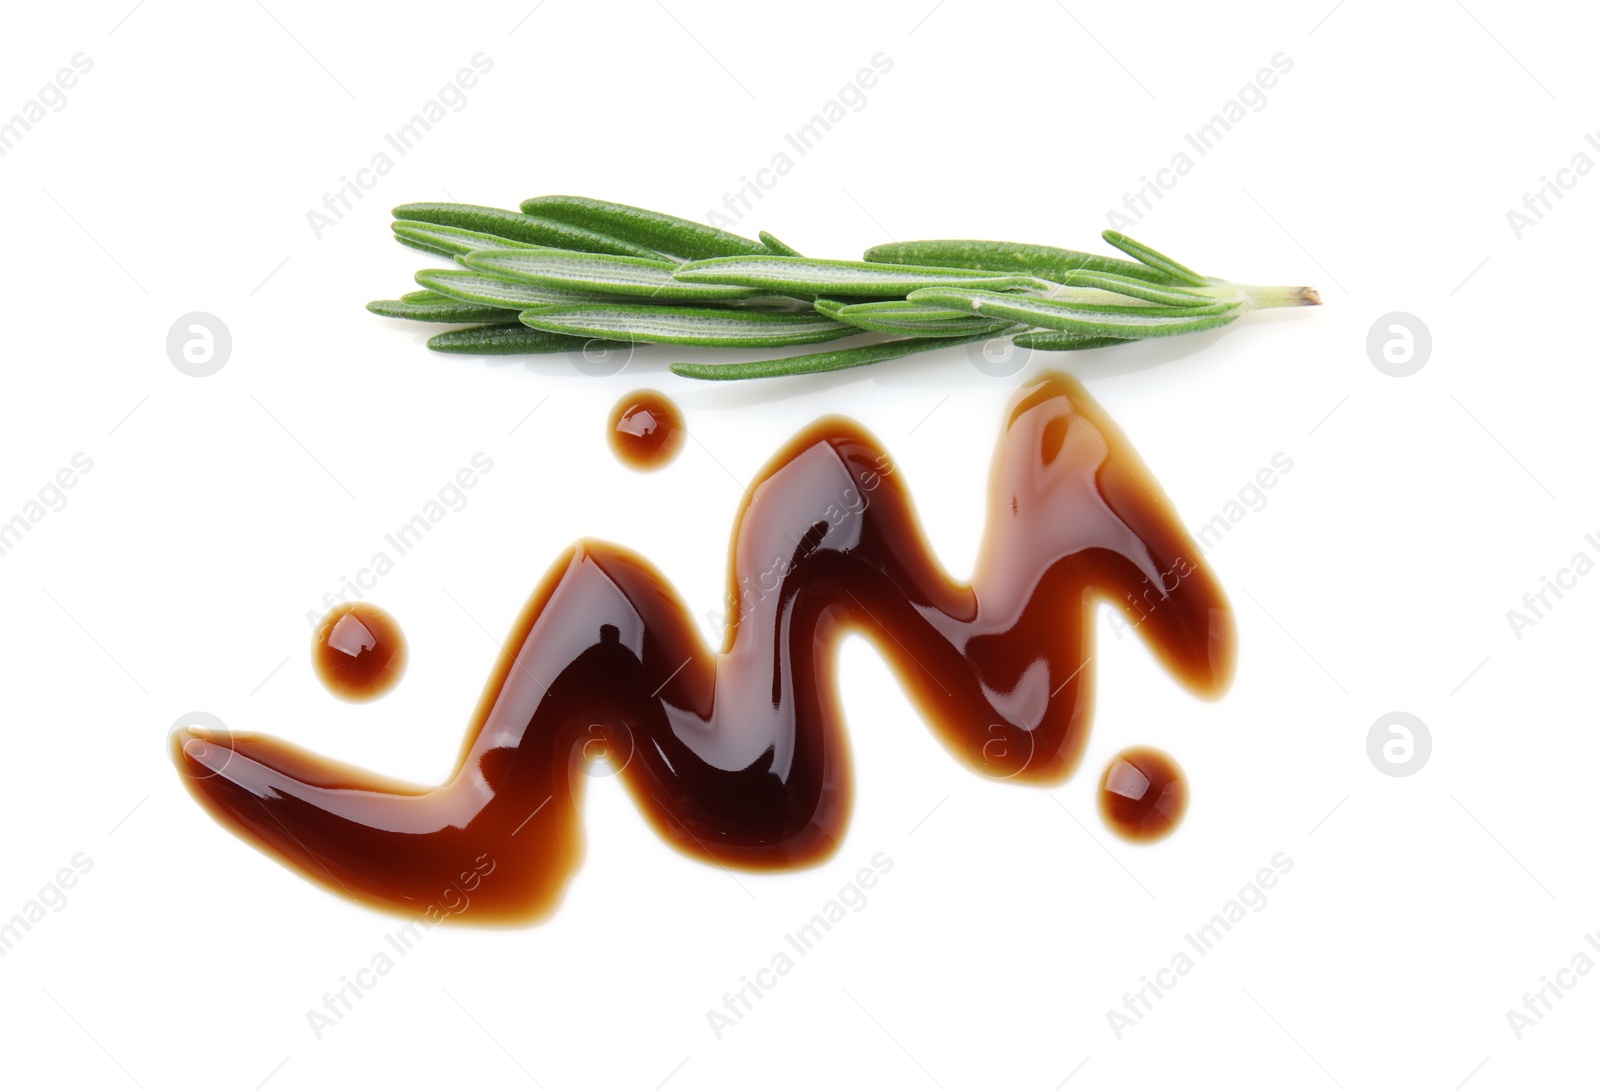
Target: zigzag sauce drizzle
{"points": [[739, 757]]}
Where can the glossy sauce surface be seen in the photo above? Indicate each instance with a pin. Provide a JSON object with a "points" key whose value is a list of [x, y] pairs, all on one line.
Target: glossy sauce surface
{"points": [[1143, 794], [358, 652], [646, 430], [738, 757]]}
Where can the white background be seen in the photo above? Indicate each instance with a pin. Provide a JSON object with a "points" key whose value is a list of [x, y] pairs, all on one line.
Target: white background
{"points": [[1377, 578]]}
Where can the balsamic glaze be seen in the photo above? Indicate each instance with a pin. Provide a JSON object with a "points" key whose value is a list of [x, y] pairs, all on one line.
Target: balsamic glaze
{"points": [[646, 430], [358, 652], [1143, 794], [739, 757]]}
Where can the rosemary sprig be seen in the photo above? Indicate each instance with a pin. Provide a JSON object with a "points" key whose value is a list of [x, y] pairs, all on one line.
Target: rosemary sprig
{"points": [[566, 270]]}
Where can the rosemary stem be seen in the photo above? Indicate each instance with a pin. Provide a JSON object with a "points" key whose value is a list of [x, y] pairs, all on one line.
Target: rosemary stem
{"points": [[1261, 298]]}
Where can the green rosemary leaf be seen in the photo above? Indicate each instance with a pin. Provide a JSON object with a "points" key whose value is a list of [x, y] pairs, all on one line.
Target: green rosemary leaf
{"points": [[598, 274], [686, 325], [1166, 295], [899, 309], [438, 251], [453, 241], [811, 363], [1020, 258], [655, 231], [914, 319], [777, 245], [427, 306], [498, 291], [1100, 321], [1153, 258], [1059, 340], [810, 276], [520, 228], [511, 340]]}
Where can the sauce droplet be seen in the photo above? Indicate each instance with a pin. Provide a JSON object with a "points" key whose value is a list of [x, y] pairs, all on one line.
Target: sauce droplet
{"points": [[359, 652], [646, 430], [1143, 794]]}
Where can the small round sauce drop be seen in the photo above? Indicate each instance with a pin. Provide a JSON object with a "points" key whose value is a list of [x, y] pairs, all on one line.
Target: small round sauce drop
{"points": [[646, 430], [359, 652], [1143, 794]]}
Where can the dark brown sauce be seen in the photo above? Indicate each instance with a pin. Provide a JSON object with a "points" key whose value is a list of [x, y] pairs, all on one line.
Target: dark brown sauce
{"points": [[739, 757], [359, 652], [646, 430], [1143, 794]]}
